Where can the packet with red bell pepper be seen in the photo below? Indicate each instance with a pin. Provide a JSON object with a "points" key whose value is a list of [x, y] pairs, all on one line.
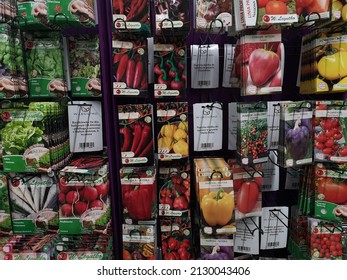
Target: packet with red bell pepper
{"points": [[247, 186], [172, 15], [131, 16], [174, 192], [139, 242], [176, 238], [136, 132], [170, 67], [330, 131], [331, 192], [325, 240], [130, 64], [139, 189], [172, 123]]}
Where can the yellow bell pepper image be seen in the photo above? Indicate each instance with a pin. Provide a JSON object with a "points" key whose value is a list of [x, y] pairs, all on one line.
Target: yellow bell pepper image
{"points": [[183, 125], [180, 134], [217, 208], [181, 147], [168, 130], [165, 143]]}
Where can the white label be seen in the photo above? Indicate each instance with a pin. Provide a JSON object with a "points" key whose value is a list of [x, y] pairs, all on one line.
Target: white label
{"points": [[232, 129], [85, 129], [205, 66], [271, 179], [274, 223], [208, 126], [247, 236], [228, 65]]}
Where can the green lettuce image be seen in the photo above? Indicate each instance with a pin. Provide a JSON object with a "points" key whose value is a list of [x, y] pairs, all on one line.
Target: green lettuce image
{"points": [[17, 136]]}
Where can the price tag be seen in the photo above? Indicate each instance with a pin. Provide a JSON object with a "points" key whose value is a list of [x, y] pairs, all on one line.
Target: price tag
{"points": [[208, 126], [85, 129], [247, 236], [274, 223]]}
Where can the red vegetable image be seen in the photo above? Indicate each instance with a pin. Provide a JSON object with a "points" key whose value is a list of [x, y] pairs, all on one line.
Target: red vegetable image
{"points": [[145, 137], [138, 74], [148, 149], [334, 191], [247, 196], [277, 80], [137, 136], [177, 84], [127, 138], [138, 202], [130, 72], [263, 65], [122, 66], [180, 203]]}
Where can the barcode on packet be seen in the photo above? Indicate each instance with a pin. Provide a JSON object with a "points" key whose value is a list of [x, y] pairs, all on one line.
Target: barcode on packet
{"points": [[207, 145], [265, 187], [204, 83], [274, 143], [273, 244], [243, 248], [87, 145]]}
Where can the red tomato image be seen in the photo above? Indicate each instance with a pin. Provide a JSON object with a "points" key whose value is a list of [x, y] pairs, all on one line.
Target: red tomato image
{"points": [[247, 196]]}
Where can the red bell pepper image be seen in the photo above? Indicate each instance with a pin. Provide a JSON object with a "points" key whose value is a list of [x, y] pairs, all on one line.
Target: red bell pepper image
{"points": [[138, 202]]}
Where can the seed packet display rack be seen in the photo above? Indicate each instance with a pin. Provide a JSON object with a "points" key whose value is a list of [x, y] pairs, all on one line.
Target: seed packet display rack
{"points": [[292, 41]]}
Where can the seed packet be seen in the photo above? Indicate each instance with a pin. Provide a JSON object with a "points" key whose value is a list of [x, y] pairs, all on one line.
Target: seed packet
{"points": [[172, 123], [295, 140], [46, 72], [136, 130], [252, 131], [330, 131], [5, 214], [85, 67], [172, 17], [34, 203], [170, 73], [131, 16], [130, 65], [71, 13]]}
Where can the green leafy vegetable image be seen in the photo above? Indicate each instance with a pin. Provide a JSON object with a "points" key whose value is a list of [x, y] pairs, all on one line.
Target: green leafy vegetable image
{"points": [[17, 136]]}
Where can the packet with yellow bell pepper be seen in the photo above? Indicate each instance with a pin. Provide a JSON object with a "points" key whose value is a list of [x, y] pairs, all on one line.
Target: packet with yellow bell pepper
{"points": [[172, 123], [215, 195]]}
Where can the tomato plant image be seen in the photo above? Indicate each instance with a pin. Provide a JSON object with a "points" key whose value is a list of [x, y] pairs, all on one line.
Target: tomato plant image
{"points": [[254, 139]]}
